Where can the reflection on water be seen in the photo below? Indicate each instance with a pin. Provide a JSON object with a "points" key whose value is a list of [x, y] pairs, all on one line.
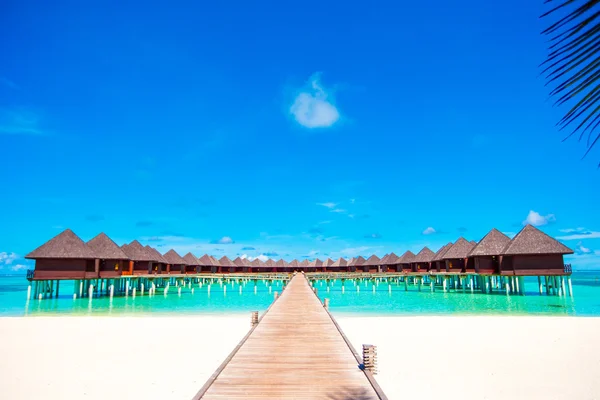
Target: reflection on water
{"points": [[351, 298]]}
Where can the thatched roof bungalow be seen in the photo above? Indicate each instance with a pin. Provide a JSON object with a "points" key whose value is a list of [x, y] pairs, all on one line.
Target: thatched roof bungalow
{"points": [[422, 261], [294, 265], [388, 263], [356, 263], [486, 255], [65, 256], [456, 257], [209, 264], [437, 263], [403, 263], [175, 263], [226, 265], [281, 265], [159, 264], [315, 265], [339, 265], [372, 264], [532, 252], [141, 259], [241, 264], [192, 264], [111, 259]]}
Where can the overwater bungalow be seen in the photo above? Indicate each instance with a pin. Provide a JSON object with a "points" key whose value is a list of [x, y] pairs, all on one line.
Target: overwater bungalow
{"points": [[404, 262], [303, 264], [372, 264], [388, 263], [339, 265], [270, 265], [422, 261], [486, 255], [326, 264], [437, 263], [140, 259], [356, 264], [192, 264], [226, 265], [315, 265], [532, 252], [209, 264], [240, 265], [280, 266], [159, 264], [257, 265], [294, 265], [65, 256], [456, 257], [175, 263], [111, 258]]}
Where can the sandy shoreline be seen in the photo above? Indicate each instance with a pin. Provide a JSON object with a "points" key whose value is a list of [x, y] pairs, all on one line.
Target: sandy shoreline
{"points": [[419, 357]]}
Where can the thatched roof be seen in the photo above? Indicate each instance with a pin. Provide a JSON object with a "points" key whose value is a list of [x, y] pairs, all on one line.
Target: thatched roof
{"points": [[136, 252], [406, 258], [390, 259], [256, 263], [269, 263], [304, 263], [440, 253], [315, 263], [492, 244], [358, 261], [239, 261], [157, 256], [173, 258], [531, 240], [191, 259], [328, 262], [294, 264], [424, 255], [340, 262], [209, 261], [460, 249], [104, 248], [226, 262], [474, 242], [281, 263], [372, 261], [350, 261], [64, 245]]}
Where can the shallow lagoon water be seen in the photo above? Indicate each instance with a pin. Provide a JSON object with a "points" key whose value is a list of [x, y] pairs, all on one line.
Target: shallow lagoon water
{"points": [[586, 300]]}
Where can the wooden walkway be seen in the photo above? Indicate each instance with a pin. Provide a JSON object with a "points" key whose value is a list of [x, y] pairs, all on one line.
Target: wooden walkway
{"points": [[296, 351]]}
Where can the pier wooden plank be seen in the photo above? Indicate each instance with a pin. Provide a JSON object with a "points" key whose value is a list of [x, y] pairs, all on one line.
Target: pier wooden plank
{"points": [[295, 352]]}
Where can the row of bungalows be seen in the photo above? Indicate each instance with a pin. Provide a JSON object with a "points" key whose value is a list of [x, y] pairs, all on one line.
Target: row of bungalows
{"points": [[530, 252]]}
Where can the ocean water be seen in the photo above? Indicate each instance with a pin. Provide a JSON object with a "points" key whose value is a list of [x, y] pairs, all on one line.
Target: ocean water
{"points": [[586, 300]]}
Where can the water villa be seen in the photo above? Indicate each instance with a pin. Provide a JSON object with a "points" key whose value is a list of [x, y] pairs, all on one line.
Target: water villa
{"points": [[494, 264]]}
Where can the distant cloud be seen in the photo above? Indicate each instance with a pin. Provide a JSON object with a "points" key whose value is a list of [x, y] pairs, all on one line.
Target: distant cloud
{"points": [[580, 249], [270, 254], [352, 201], [20, 122], [313, 107], [248, 248], [153, 239], [7, 262], [328, 204], [324, 222], [429, 231], [338, 210], [353, 251], [536, 219], [462, 229], [579, 234], [372, 236], [223, 240], [263, 257], [94, 218], [7, 257], [143, 224], [18, 267]]}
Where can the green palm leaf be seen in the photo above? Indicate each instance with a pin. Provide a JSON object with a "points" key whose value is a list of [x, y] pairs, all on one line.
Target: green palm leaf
{"points": [[573, 66]]}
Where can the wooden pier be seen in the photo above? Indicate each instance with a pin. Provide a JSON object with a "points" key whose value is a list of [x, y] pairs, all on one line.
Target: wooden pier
{"points": [[296, 350]]}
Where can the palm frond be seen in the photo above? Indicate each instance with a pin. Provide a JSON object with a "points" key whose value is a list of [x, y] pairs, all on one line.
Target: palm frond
{"points": [[573, 65]]}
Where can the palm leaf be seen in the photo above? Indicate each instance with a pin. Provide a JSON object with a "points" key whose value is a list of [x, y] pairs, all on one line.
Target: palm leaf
{"points": [[573, 65]]}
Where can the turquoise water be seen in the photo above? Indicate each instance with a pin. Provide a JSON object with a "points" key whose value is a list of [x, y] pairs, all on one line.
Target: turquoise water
{"points": [[586, 300]]}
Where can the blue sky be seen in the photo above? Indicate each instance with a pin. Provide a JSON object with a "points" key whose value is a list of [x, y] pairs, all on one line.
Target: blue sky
{"points": [[326, 129]]}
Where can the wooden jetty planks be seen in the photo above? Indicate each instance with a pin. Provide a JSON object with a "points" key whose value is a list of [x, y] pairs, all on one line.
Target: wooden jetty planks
{"points": [[295, 352]]}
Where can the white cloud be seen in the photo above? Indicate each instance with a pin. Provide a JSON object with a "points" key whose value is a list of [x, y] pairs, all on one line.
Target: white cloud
{"points": [[572, 230], [18, 267], [19, 122], [536, 219], [429, 231], [324, 222], [352, 201], [351, 215], [7, 258], [223, 240], [313, 108], [329, 204], [262, 258], [581, 235], [354, 251], [338, 210], [581, 249]]}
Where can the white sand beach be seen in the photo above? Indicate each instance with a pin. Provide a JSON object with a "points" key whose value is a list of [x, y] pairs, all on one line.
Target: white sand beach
{"points": [[419, 357]]}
